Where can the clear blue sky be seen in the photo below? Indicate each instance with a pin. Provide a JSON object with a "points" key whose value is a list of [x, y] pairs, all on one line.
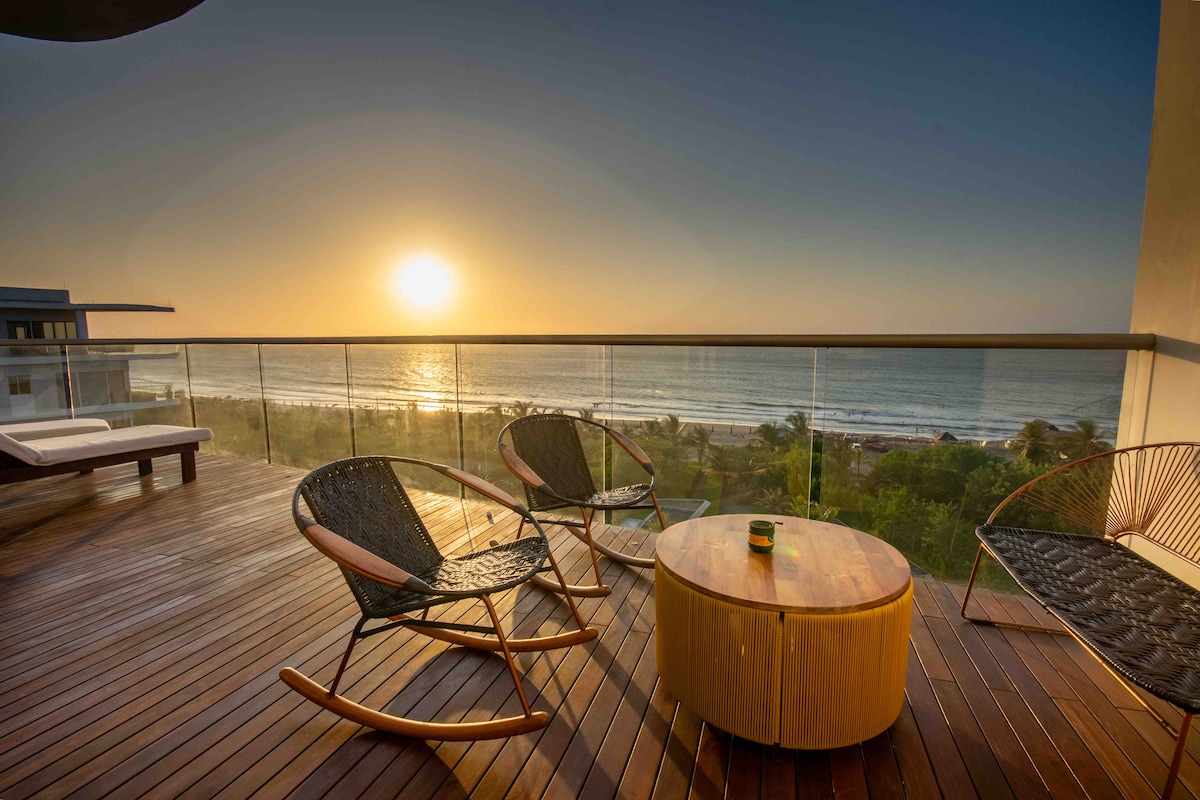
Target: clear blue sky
{"points": [[604, 167]]}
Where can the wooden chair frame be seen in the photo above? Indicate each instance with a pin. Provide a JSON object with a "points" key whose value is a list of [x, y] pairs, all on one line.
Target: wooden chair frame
{"points": [[361, 561], [536, 484], [1155, 504]]}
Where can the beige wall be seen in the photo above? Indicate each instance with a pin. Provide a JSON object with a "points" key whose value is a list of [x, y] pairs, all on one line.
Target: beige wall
{"points": [[1162, 390]]}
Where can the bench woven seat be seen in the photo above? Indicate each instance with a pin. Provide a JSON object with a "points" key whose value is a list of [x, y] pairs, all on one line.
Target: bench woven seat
{"points": [[1139, 619]]}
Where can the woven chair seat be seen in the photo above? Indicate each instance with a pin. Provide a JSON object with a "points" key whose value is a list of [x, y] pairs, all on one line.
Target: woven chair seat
{"points": [[493, 569], [622, 497], [1139, 618]]}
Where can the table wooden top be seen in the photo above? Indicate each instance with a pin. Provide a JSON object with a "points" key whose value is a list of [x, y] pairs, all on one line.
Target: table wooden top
{"points": [[816, 567]]}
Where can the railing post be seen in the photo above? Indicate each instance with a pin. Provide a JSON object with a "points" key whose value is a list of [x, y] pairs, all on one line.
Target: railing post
{"points": [[187, 365], [609, 380], [262, 388], [350, 404], [462, 453], [812, 450], [66, 361]]}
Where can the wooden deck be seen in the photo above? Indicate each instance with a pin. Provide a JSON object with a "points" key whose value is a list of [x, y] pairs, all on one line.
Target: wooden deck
{"points": [[145, 622]]}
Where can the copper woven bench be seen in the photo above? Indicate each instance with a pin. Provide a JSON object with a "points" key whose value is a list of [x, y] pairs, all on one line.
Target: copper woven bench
{"points": [[1140, 620]]}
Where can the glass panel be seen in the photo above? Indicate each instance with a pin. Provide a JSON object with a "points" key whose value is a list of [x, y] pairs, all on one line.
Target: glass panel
{"points": [[503, 382], [404, 404], [920, 445], [729, 425], [227, 395], [32, 384], [307, 400], [130, 384]]}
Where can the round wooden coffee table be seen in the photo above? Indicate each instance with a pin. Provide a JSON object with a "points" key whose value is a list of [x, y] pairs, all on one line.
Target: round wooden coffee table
{"points": [[805, 647]]}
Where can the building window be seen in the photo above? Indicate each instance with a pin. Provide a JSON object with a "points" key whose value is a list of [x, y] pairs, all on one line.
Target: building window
{"points": [[118, 386], [18, 384], [42, 330]]}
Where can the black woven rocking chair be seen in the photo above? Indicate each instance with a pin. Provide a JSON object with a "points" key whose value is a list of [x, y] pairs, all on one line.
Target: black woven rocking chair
{"points": [[547, 455], [366, 523], [1141, 621]]}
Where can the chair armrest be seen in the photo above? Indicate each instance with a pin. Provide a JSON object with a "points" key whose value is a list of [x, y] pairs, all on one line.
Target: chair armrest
{"points": [[483, 487], [522, 470], [629, 446], [363, 562]]}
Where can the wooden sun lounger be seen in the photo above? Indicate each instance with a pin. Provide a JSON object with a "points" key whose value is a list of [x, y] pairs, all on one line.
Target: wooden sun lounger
{"points": [[122, 446]]}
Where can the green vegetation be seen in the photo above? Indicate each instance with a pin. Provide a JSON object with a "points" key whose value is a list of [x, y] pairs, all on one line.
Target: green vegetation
{"points": [[926, 500]]}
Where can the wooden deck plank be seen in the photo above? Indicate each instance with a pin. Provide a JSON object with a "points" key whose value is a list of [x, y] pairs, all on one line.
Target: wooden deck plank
{"points": [[968, 638], [985, 717], [710, 775], [745, 770], [1123, 773], [641, 771], [814, 777], [982, 764], [1035, 697], [146, 620], [933, 663], [1134, 750], [606, 770], [916, 768], [779, 771], [679, 755], [882, 768], [1164, 744], [847, 768]]}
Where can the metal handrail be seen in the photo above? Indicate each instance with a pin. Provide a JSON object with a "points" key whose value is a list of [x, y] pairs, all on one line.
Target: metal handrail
{"points": [[1005, 341]]}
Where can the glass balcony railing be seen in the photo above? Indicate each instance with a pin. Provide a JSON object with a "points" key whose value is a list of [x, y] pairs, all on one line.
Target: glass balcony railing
{"points": [[914, 444]]}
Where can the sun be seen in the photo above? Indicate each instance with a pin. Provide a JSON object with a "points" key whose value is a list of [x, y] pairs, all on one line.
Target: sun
{"points": [[423, 280]]}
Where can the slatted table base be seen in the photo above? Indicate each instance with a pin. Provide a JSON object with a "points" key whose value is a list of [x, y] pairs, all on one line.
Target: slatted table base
{"points": [[803, 681]]}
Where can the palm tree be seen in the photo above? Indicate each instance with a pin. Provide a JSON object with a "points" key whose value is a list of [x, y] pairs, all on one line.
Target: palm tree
{"points": [[496, 413], [699, 437], [770, 435], [587, 415], [722, 461], [671, 428], [523, 409], [775, 500], [1085, 439], [797, 421], [1033, 442]]}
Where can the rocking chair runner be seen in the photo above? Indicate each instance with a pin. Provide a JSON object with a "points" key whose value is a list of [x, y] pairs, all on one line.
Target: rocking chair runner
{"points": [[1141, 621], [548, 457], [367, 524]]}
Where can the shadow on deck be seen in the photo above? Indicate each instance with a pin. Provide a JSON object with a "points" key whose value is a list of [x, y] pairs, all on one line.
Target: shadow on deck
{"points": [[145, 623]]}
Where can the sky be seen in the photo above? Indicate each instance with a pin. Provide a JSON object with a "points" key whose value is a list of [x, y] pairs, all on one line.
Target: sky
{"points": [[606, 167]]}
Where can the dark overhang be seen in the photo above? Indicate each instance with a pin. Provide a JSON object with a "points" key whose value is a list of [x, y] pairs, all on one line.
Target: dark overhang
{"points": [[87, 20]]}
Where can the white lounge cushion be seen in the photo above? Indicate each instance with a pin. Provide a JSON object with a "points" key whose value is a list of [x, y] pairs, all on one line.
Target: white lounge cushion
{"points": [[64, 449], [24, 431]]}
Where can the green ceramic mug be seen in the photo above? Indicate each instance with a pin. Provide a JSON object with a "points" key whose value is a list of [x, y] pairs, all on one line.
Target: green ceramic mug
{"points": [[762, 535]]}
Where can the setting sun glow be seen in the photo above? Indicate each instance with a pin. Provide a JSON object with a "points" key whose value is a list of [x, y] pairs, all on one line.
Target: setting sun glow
{"points": [[423, 280]]}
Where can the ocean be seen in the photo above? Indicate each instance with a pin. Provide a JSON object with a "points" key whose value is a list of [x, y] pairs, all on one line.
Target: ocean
{"points": [[972, 394]]}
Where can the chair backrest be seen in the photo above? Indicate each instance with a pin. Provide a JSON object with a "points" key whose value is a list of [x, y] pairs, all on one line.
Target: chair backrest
{"points": [[362, 500], [550, 445], [1151, 491]]}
